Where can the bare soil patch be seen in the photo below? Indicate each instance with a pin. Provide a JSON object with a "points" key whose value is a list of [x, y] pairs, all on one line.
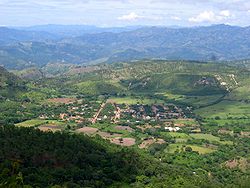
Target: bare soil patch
{"points": [[52, 128], [146, 143], [62, 100], [123, 141], [144, 127], [124, 128], [149, 142], [87, 130], [108, 135]]}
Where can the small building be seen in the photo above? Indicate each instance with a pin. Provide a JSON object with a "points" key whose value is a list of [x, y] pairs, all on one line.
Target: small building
{"points": [[172, 129]]}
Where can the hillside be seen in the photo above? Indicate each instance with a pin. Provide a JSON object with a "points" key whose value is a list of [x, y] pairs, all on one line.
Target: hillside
{"points": [[217, 42], [9, 35], [10, 84], [139, 124]]}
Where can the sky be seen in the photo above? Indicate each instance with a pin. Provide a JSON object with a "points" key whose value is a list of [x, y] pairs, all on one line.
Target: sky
{"points": [[117, 13]]}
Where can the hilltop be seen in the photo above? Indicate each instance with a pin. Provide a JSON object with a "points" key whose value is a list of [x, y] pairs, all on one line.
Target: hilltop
{"points": [[39, 46]]}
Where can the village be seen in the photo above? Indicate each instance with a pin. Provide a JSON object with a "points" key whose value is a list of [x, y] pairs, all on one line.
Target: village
{"points": [[120, 123], [80, 111]]}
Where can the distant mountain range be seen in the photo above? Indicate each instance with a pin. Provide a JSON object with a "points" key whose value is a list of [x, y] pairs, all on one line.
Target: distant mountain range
{"points": [[39, 45]]}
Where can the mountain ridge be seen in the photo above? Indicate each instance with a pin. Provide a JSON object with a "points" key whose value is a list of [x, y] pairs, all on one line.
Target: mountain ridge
{"points": [[212, 43]]}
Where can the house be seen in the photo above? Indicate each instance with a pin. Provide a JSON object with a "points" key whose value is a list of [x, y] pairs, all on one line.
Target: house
{"points": [[172, 129]]}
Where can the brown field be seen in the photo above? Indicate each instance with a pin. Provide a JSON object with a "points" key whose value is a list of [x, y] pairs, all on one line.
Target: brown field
{"points": [[146, 143], [143, 128], [160, 141], [124, 142], [245, 134], [242, 163], [124, 128], [224, 131], [62, 100], [87, 130], [52, 128], [108, 135], [149, 142]]}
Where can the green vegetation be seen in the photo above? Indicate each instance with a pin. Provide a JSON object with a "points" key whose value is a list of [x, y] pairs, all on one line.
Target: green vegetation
{"points": [[37, 122], [226, 109], [210, 138], [133, 100], [172, 148], [182, 124]]}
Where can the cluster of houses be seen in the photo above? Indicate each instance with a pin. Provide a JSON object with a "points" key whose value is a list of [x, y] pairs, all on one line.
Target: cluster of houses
{"points": [[152, 112], [92, 111]]}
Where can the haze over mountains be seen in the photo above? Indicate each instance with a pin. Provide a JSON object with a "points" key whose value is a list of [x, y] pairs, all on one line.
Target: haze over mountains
{"points": [[39, 45]]}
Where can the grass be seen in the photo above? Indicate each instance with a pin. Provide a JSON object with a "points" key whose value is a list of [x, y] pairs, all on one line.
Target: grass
{"points": [[190, 122], [31, 123], [200, 100], [131, 100], [179, 135], [110, 128], [37, 122], [242, 92], [225, 122], [172, 96], [225, 109], [201, 150], [210, 138], [99, 87]]}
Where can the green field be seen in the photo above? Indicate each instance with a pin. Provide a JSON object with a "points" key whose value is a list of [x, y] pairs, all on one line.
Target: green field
{"points": [[131, 100], [190, 122], [179, 137], [37, 122], [228, 122], [99, 87], [175, 147], [200, 100], [226, 109], [210, 138]]}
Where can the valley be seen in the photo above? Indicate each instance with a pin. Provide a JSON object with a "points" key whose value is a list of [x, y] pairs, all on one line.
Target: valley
{"points": [[180, 113]]}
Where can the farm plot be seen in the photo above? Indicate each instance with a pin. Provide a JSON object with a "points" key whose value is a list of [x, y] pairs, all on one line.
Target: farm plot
{"points": [[225, 109], [62, 100], [87, 130], [50, 127], [131, 100], [148, 142], [172, 148], [37, 122], [210, 138], [31, 123], [123, 141]]}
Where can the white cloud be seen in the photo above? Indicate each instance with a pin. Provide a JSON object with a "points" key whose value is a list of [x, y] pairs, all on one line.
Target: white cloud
{"points": [[210, 16], [225, 13], [129, 17], [133, 17], [206, 16], [175, 18]]}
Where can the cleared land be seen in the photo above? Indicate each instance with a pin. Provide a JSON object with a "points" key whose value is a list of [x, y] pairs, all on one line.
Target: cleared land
{"points": [[62, 100], [37, 122], [123, 141], [179, 147], [87, 130], [210, 138], [226, 109], [131, 101], [52, 128]]}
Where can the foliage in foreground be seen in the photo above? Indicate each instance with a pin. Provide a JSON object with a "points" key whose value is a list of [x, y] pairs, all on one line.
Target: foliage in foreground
{"points": [[49, 159]]}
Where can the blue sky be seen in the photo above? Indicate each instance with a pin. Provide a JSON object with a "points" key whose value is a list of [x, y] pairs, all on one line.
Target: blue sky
{"points": [[109, 13]]}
